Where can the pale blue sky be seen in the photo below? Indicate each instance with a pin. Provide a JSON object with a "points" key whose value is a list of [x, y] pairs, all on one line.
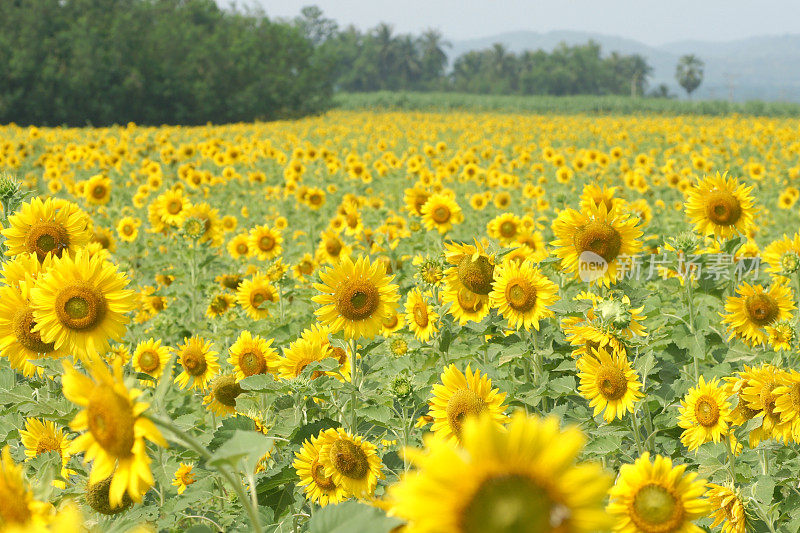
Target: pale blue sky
{"points": [[652, 22]]}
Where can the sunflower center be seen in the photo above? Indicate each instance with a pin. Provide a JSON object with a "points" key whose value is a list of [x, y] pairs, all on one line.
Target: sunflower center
{"points": [[149, 360], [611, 382], [476, 275], [80, 307], [187, 478], [48, 444], [421, 314], [174, 207], [110, 418], [127, 229], [794, 395], [512, 503], [441, 214], [600, 238], [320, 479], [258, 297], [508, 229], [722, 208], [252, 362], [390, 321], [762, 309], [349, 459], [23, 325], [226, 390], [195, 363], [98, 191], [358, 300], [706, 411], [47, 237], [266, 243], [339, 354], [333, 247], [241, 248], [305, 268], [463, 403], [656, 509], [521, 295]]}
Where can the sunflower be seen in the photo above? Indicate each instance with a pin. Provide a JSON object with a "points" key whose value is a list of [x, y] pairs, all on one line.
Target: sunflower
{"points": [[209, 220], [505, 227], [594, 195], [596, 236], [172, 207], [414, 199], [128, 228], [97, 190], [219, 305], [468, 281], [318, 487], [300, 354], [115, 430], [532, 244], [184, 476], [42, 228], [20, 510], [305, 267], [441, 212], [199, 363], [393, 322], [586, 336], [79, 304], [521, 293], [720, 206], [332, 248], [754, 308], [239, 246], [782, 335], [221, 398], [421, 317], [150, 357], [655, 496], [609, 383], [787, 402], [251, 355], [704, 414], [41, 436], [461, 396], [23, 266], [355, 297], [727, 509], [18, 342], [783, 256], [265, 242], [254, 295], [758, 394], [522, 479], [350, 461]]}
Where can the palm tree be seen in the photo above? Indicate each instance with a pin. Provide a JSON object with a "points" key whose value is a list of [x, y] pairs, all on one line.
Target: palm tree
{"points": [[689, 73], [434, 58]]}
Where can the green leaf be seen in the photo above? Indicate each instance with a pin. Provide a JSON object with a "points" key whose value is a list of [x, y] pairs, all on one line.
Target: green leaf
{"points": [[351, 517], [763, 489], [246, 446], [228, 427]]}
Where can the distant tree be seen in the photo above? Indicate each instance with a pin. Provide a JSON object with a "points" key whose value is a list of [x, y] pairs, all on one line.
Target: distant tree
{"points": [[689, 73], [661, 91], [433, 57], [315, 26]]}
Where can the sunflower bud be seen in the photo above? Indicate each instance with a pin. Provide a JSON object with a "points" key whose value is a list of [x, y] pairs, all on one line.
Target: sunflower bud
{"points": [[685, 242], [399, 347], [401, 387], [790, 263], [615, 312], [193, 228], [98, 499], [430, 272], [10, 193]]}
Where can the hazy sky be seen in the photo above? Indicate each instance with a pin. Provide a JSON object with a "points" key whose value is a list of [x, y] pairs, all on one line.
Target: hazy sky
{"points": [[652, 22]]}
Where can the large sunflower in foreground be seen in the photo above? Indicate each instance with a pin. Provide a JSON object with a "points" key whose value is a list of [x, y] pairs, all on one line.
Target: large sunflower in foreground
{"points": [[521, 479], [754, 308], [18, 342], [598, 235], [350, 461], [704, 414], [460, 396], [521, 293], [356, 297], [19, 508], [318, 487], [41, 227], [609, 383], [115, 431], [656, 497], [80, 304], [720, 206]]}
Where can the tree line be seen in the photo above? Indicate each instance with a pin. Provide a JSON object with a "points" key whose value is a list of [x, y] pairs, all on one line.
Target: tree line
{"points": [[100, 62]]}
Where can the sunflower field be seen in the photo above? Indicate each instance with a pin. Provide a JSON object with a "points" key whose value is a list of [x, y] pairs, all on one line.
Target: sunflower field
{"points": [[402, 322]]}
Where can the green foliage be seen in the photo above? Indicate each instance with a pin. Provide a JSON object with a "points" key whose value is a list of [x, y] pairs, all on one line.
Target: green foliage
{"points": [[151, 61], [591, 105], [689, 73]]}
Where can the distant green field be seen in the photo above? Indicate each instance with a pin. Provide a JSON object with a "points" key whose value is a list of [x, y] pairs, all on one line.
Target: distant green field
{"points": [[600, 105]]}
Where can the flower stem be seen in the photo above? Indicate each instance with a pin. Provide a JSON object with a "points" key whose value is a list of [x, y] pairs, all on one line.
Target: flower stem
{"points": [[354, 390], [192, 443]]}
